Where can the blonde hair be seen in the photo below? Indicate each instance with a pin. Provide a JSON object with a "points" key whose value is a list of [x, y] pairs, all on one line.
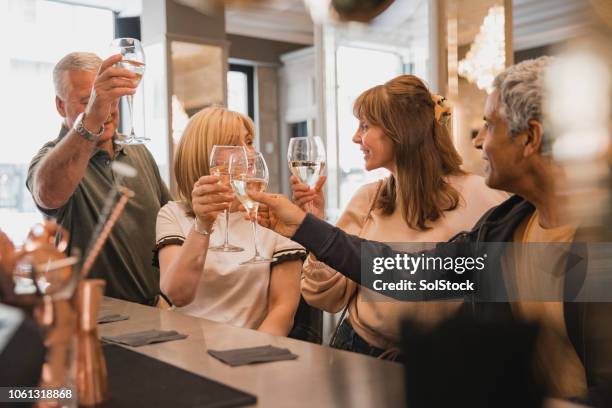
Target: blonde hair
{"points": [[208, 127], [415, 120]]}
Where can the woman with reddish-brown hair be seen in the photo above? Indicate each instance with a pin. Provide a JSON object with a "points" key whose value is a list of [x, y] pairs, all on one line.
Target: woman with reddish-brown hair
{"points": [[426, 198]]}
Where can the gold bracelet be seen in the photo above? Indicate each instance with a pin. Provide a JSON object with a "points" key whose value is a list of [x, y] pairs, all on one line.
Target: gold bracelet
{"points": [[201, 231]]}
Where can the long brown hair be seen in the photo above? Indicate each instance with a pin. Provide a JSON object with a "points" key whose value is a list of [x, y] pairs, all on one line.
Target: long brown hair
{"points": [[424, 153], [208, 127]]}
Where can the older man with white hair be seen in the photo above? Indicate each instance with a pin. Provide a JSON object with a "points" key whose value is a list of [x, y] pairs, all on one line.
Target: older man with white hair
{"points": [[71, 176]]}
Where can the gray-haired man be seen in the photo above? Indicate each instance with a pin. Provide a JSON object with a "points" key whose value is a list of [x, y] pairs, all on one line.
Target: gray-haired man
{"points": [[575, 351], [71, 176]]}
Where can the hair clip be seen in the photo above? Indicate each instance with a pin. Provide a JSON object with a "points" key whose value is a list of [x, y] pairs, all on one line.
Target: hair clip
{"points": [[442, 110]]}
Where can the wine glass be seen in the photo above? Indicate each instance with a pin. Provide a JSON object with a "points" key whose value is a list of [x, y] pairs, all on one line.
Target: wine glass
{"points": [[219, 166], [249, 172], [306, 157], [133, 60]]}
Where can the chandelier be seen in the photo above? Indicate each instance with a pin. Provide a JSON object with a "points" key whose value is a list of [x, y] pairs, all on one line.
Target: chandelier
{"points": [[487, 55]]}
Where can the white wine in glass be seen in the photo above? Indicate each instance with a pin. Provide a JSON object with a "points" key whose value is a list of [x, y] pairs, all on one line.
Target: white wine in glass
{"points": [[306, 157], [307, 171], [250, 174], [134, 61], [135, 66], [222, 172], [243, 184], [219, 167]]}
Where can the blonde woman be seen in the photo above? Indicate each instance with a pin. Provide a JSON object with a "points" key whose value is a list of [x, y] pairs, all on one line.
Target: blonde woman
{"points": [[427, 198], [210, 284]]}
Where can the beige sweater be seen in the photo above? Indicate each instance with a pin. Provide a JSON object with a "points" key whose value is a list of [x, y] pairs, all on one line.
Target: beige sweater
{"points": [[378, 322]]}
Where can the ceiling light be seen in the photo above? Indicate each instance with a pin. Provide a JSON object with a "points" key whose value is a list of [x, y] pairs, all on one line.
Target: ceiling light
{"points": [[487, 55]]}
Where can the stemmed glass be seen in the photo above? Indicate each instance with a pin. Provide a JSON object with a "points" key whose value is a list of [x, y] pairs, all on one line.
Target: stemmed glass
{"points": [[133, 60], [219, 166], [250, 173], [306, 157]]}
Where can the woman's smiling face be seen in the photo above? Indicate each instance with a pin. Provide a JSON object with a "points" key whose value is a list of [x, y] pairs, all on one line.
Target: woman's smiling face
{"points": [[377, 148]]}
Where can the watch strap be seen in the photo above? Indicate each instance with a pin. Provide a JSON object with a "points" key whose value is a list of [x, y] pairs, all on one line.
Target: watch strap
{"points": [[84, 132]]}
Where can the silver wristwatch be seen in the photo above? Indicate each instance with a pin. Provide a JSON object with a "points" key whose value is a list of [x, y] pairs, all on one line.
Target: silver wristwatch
{"points": [[87, 134]]}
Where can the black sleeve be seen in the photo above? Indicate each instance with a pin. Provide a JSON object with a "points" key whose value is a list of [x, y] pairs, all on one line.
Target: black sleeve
{"points": [[333, 246], [344, 253]]}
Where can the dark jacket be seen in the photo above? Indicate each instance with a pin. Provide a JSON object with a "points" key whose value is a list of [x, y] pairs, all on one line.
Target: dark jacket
{"points": [[590, 336]]}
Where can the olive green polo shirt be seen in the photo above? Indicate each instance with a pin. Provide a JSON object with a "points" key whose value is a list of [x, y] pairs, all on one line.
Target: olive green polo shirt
{"points": [[125, 261]]}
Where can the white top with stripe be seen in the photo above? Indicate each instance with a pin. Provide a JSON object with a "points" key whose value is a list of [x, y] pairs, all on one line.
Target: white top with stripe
{"points": [[228, 292]]}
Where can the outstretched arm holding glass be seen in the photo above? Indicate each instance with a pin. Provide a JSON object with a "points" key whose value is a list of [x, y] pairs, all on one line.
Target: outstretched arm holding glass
{"points": [[340, 250], [87, 99]]}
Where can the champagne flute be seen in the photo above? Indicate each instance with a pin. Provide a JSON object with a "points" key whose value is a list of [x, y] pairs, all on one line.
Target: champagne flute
{"points": [[219, 166], [250, 173], [306, 157], [133, 60]]}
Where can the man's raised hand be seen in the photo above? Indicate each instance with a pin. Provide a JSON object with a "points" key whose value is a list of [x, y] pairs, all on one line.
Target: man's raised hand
{"points": [[111, 83]]}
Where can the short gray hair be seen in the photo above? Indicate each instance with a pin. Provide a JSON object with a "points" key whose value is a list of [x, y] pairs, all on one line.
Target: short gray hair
{"points": [[75, 61], [521, 90]]}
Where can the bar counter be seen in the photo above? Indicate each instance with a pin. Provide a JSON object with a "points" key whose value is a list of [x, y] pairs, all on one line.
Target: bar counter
{"points": [[319, 377]]}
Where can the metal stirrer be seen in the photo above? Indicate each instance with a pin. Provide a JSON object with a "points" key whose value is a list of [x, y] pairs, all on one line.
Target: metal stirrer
{"points": [[110, 214]]}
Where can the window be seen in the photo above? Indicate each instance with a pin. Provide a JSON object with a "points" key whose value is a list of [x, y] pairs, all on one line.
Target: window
{"points": [[299, 129], [240, 97], [35, 35], [375, 68]]}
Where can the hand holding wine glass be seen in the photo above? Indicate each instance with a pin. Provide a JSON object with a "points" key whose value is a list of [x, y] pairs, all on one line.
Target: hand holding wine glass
{"points": [[219, 166], [306, 157], [263, 215], [249, 173], [110, 84], [305, 196], [133, 60], [284, 216], [208, 199]]}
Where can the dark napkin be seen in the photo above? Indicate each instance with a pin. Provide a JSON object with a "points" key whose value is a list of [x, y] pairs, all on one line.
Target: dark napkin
{"points": [[252, 355], [136, 380], [110, 318], [142, 338]]}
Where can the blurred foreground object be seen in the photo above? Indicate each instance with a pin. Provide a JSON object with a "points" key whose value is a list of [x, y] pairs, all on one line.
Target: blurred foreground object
{"points": [[464, 363], [105, 226], [44, 282], [92, 381], [578, 116], [42, 261], [320, 10], [21, 349], [362, 11], [359, 10]]}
